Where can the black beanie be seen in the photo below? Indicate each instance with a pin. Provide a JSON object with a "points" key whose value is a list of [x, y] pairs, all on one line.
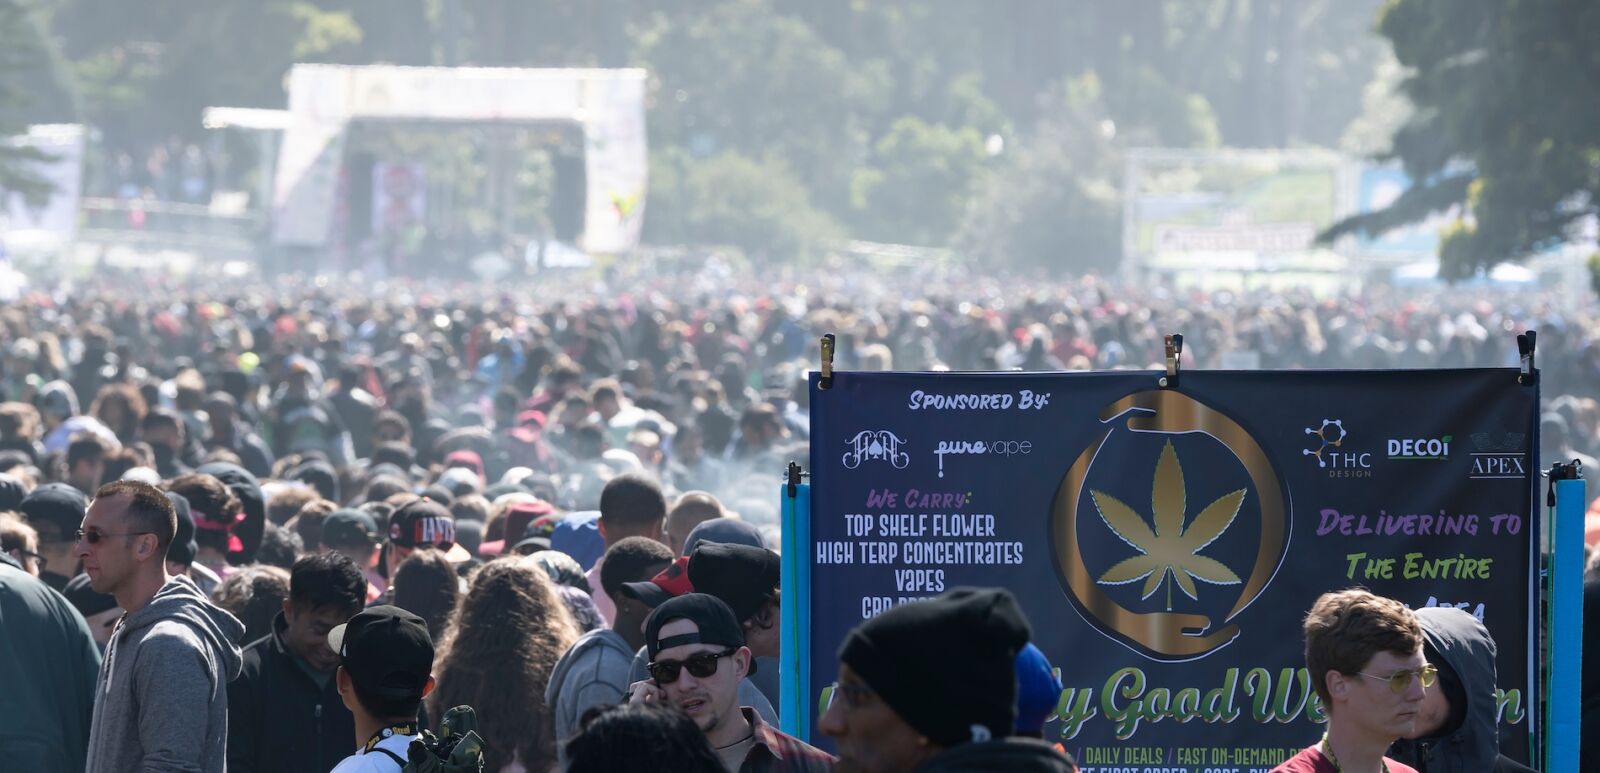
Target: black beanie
{"points": [[945, 665]]}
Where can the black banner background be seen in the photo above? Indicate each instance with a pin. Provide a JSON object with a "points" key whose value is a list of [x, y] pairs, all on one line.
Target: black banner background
{"points": [[894, 519]]}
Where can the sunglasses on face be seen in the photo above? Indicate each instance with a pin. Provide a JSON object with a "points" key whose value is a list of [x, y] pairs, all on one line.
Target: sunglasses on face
{"points": [[855, 695], [93, 536], [702, 666], [1400, 681]]}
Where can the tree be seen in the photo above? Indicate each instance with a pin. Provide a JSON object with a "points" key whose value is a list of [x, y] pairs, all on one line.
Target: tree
{"points": [[1505, 125], [148, 69], [1053, 202], [743, 78], [756, 204], [919, 184], [21, 50]]}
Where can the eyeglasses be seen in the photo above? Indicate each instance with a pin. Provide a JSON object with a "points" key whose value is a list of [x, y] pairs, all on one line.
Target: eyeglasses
{"points": [[855, 695], [701, 666], [1400, 681], [93, 536]]}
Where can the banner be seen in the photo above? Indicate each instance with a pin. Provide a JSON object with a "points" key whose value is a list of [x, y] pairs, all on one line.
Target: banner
{"points": [[1166, 543], [1235, 210]]}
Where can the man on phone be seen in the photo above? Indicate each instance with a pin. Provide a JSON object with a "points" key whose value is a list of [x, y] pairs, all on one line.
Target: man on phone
{"points": [[697, 659]]}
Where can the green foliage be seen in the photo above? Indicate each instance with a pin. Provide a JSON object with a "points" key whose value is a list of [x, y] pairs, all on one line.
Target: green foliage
{"points": [[919, 183], [1506, 124], [756, 204], [745, 79], [779, 125], [21, 48], [1053, 202]]}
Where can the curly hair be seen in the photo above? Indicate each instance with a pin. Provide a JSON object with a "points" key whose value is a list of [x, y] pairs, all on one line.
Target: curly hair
{"points": [[503, 641], [125, 398], [255, 594], [210, 500]]}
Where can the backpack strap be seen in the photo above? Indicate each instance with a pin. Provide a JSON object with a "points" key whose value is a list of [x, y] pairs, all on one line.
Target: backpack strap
{"points": [[391, 755]]}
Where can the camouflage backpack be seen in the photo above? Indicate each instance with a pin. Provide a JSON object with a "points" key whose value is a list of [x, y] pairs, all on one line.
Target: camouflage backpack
{"points": [[458, 749]]}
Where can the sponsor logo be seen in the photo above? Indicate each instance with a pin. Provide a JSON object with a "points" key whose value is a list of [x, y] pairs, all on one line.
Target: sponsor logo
{"points": [[1499, 456], [981, 448], [1492, 466], [1433, 449], [1168, 525], [1331, 454], [876, 445]]}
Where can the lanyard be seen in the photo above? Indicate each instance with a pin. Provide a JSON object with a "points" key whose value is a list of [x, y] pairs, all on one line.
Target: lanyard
{"points": [[1327, 751], [392, 730]]}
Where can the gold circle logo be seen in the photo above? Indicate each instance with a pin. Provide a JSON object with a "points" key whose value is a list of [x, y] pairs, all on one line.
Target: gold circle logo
{"points": [[1169, 546]]}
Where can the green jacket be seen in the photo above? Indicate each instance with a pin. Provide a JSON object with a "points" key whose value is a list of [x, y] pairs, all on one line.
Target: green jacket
{"points": [[48, 664]]}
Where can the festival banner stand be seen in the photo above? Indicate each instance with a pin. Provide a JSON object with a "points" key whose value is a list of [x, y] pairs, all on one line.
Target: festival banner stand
{"points": [[1564, 630], [1165, 533]]}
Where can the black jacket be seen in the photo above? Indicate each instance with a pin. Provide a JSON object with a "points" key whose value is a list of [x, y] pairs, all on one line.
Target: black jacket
{"points": [[1012, 755], [1470, 740], [279, 720]]}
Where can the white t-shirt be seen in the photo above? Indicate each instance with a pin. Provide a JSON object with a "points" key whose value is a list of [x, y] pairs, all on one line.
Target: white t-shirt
{"points": [[376, 761]]}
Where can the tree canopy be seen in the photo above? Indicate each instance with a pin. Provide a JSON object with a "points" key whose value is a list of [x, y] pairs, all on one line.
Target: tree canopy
{"points": [[1505, 125], [777, 125]]}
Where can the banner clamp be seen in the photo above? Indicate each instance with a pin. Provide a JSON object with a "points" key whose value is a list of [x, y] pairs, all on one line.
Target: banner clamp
{"points": [[1174, 344], [1572, 470], [1526, 342], [826, 380], [794, 476]]}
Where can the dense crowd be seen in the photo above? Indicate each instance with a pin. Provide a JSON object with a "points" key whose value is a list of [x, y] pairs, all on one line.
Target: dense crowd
{"points": [[563, 487]]}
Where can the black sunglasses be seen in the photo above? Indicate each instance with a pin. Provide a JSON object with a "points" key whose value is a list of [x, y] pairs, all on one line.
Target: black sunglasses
{"points": [[93, 536], [701, 666]]}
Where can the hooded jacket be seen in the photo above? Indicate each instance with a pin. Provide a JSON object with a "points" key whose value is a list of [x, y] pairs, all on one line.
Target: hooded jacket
{"points": [[1011, 755], [1469, 741], [47, 667], [161, 701], [592, 672], [279, 718]]}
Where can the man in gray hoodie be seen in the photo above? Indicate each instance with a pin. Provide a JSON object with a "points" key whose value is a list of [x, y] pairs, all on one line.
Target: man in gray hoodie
{"points": [[594, 670], [161, 701]]}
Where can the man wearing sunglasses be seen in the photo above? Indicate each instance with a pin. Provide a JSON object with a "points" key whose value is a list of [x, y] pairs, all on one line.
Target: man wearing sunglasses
{"points": [[1364, 653], [697, 659], [162, 701], [1456, 729]]}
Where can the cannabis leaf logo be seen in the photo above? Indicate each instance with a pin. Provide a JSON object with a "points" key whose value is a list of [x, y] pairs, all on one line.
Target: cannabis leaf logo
{"points": [[1170, 549]]}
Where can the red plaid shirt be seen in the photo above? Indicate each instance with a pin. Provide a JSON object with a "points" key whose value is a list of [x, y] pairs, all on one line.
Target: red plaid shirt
{"points": [[778, 752]]}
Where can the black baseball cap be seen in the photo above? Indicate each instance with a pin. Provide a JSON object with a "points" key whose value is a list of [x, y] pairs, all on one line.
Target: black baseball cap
{"points": [[387, 652], [730, 531], [422, 522], [709, 614], [58, 504], [668, 583], [744, 577], [349, 527]]}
